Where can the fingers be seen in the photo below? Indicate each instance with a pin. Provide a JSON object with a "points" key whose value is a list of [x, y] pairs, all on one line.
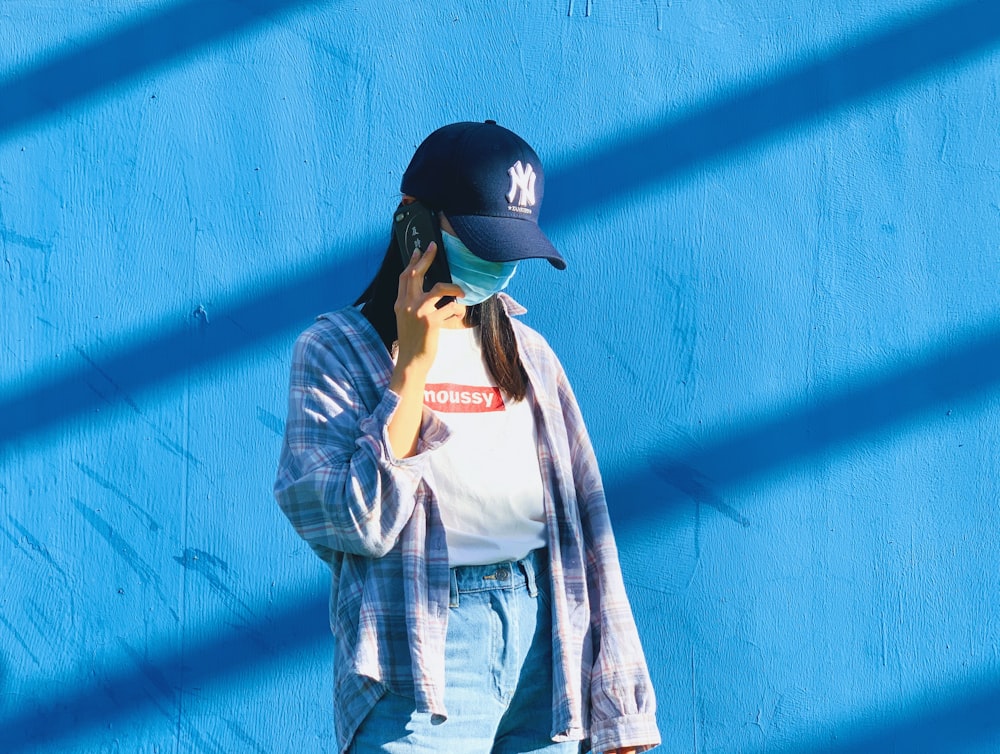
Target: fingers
{"points": [[420, 263], [405, 276], [449, 310], [440, 290], [434, 314], [425, 259], [441, 300], [411, 281], [432, 307]]}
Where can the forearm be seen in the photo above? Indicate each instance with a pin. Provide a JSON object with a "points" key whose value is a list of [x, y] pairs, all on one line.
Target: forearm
{"points": [[403, 429], [419, 318]]}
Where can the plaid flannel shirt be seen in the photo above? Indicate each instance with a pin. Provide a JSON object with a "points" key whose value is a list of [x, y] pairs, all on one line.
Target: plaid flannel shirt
{"points": [[374, 520]]}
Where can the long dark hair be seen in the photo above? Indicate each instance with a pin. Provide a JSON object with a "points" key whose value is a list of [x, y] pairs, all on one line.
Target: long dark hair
{"points": [[495, 331]]}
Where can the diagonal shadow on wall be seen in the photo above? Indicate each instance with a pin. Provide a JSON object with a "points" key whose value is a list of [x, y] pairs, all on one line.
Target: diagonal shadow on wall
{"points": [[799, 96], [802, 95], [144, 46], [155, 684], [202, 339], [940, 378], [954, 720], [951, 719]]}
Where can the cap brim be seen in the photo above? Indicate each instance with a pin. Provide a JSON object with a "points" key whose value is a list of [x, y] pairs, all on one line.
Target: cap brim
{"points": [[505, 239]]}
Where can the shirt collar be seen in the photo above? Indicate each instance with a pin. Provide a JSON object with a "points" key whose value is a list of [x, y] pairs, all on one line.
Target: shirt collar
{"points": [[510, 306]]}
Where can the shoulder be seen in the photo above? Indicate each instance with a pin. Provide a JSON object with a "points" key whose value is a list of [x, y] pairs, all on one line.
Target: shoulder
{"points": [[530, 342], [336, 330], [344, 336], [337, 325], [540, 360]]}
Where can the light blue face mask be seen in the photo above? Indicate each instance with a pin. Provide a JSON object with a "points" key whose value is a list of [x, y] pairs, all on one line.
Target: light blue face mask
{"points": [[477, 277]]}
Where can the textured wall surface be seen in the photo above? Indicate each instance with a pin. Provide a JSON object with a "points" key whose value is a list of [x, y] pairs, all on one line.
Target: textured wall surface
{"points": [[781, 318]]}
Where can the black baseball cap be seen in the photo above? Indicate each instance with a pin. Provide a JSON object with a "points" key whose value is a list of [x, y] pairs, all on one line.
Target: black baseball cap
{"points": [[489, 183]]}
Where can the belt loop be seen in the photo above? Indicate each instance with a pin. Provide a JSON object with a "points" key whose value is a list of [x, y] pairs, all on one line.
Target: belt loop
{"points": [[528, 566], [453, 584]]}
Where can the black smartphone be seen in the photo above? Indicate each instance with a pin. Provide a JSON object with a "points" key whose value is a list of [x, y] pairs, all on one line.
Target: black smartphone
{"points": [[415, 227]]}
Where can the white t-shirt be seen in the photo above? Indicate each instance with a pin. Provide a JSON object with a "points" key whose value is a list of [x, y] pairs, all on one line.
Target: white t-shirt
{"points": [[486, 477]]}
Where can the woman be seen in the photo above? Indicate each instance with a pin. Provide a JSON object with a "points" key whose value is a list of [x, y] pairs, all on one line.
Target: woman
{"points": [[436, 459]]}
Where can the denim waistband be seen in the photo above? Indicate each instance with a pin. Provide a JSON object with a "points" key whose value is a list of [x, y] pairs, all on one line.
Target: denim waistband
{"points": [[507, 575]]}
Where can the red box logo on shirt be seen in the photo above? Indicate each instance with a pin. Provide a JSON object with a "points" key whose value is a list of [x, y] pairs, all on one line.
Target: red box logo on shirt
{"points": [[463, 399]]}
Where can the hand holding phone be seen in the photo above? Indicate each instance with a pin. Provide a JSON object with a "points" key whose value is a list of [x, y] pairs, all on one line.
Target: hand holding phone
{"points": [[420, 308], [415, 227]]}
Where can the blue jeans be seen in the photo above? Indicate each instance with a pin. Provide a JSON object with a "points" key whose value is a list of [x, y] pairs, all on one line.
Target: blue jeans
{"points": [[498, 672]]}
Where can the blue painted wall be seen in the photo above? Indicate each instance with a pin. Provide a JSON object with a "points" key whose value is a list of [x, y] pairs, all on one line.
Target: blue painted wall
{"points": [[781, 318]]}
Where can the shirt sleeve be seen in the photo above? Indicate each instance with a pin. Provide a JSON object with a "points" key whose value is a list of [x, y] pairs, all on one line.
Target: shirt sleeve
{"points": [[338, 481], [623, 703]]}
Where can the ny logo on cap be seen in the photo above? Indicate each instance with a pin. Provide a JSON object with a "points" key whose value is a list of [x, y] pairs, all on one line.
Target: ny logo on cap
{"points": [[522, 181]]}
